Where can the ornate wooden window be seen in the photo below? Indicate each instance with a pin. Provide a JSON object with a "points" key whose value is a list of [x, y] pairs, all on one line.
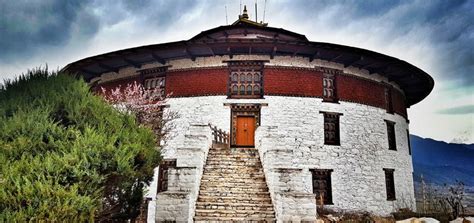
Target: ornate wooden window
{"points": [[331, 128], [329, 83], [245, 79], [322, 185], [154, 79], [329, 89], [390, 184], [163, 173], [392, 144], [408, 141], [388, 99]]}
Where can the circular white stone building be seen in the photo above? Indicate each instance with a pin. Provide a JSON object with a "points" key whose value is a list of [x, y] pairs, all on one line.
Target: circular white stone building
{"points": [[311, 124]]}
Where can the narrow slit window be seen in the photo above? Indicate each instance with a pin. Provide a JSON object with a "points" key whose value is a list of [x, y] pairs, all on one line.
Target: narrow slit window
{"points": [[390, 184], [392, 144], [163, 178]]}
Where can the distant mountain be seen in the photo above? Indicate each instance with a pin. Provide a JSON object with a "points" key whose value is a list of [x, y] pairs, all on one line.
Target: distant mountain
{"points": [[441, 162]]}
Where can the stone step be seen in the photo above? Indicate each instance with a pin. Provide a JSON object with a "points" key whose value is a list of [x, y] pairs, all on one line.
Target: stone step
{"points": [[233, 187], [231, 184], [235, 213], [237, 178], [233, 167], [235, 199], [233, 219], [234, 193], [234, 206]]}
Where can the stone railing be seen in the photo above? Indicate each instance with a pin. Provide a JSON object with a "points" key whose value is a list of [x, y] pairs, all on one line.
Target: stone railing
{"points": [[220, 136]]}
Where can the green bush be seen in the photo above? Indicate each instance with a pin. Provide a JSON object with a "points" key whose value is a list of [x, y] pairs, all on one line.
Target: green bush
{"points": [[66, 155]]}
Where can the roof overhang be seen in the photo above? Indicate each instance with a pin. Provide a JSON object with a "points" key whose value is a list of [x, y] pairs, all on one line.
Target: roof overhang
{"points": [[416, 83]]}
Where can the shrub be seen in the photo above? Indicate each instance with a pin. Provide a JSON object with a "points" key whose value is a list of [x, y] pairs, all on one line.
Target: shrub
{"points": [[66, 155]]}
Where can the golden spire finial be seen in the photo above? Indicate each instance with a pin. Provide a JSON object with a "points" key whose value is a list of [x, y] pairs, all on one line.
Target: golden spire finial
{"points": [[244, 14]]}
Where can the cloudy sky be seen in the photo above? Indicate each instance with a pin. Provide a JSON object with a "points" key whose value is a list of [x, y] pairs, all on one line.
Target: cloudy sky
{"points": [[435, 35]]}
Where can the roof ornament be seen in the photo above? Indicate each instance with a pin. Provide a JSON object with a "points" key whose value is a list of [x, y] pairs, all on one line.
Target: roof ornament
{"points": [[244, 15], [244, 19]]}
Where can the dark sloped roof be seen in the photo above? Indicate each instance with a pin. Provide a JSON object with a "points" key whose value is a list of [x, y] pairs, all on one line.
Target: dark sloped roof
{"points": [[245, 39]]}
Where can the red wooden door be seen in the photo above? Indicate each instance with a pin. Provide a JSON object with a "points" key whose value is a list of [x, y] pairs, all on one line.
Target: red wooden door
{"points": [[245, 131]]}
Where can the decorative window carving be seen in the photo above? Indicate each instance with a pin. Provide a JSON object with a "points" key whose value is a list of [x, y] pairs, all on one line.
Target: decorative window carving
{"points": [[163, 174], [390, 184], [331, 128], [388, 99], [408, 141], [329, 89], [329, 83], [154, 79], [392, 144], [322, 185], [245, 79]]}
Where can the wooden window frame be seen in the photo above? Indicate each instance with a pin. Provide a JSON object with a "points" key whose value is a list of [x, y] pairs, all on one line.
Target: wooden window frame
{"points": [[245, 85], [155, 74], [322, 174], [163, 174], [391, 135], [329, 75], [328, 118], [390, 184]]}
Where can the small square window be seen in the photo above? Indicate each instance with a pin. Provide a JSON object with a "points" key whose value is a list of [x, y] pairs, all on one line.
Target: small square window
{"points": [[331, 128]]}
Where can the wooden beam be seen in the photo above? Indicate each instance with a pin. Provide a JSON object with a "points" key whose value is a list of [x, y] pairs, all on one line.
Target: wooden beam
{"points": [[369, 65], [108, 68], [193, 57], [83, 70], [296, 52], [229, 51], [210, 49], [158, 58], [133, 63], [354, 62], [336, 57], [273, 52], [316, 54]]}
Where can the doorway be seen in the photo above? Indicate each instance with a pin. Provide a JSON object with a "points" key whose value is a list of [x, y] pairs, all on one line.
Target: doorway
{"points": [[245, 134]]}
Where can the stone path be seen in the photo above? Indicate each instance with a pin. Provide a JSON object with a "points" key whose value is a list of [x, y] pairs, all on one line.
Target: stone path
{"points": [[233, 188]]}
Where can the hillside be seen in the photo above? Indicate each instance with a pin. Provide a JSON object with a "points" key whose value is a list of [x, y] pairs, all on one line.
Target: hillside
{"points": [[441, 162]]}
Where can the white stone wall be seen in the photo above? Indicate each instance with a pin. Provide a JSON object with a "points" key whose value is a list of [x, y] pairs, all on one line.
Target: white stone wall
{"points": [[290, 141], [291, 136]]}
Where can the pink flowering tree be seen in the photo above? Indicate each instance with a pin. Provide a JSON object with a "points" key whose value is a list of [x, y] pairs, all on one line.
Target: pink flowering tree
{"points": [[147, 106]]}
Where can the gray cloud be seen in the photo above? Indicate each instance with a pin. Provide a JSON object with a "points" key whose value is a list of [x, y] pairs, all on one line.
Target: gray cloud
{"points": [[26, 26], [449, 27], [460, 110]]}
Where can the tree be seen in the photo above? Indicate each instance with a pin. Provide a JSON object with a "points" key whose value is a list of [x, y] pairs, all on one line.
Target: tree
{"points": [[147, 106], [68, 156]]}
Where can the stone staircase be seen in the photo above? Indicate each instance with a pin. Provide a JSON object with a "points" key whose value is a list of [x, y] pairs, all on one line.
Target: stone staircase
{"points": [[233, 187]]}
